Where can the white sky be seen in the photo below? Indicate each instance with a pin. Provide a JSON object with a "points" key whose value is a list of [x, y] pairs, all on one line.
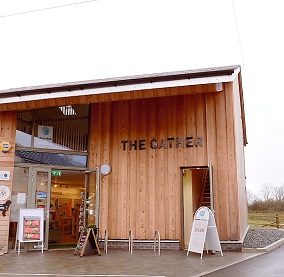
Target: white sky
{"points": [[111, 38]]}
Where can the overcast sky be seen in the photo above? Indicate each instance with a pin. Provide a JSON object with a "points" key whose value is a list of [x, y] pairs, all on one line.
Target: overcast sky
{"points": [[111, 38]]}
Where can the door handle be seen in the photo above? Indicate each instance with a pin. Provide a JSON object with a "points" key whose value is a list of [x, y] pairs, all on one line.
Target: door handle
{"points": [[47, 214]]}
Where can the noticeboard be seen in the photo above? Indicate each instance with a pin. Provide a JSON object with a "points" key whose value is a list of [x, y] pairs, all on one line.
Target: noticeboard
{"points": [[87, 243], [30, 226], [204, 232]]}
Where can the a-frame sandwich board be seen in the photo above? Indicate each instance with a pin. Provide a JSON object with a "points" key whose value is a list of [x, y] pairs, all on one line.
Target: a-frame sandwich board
{"points": [[204, 234]]}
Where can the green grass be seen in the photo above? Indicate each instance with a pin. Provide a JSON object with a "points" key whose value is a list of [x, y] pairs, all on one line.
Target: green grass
{"points": [[265, 218]]}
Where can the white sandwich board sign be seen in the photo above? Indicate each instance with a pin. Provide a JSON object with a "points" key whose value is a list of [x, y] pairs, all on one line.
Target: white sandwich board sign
{"points": [[204, 235], [30, 227]]}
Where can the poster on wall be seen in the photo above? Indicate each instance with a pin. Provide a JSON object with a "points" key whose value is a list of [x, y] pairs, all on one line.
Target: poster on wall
{"points": [[45, 132], [30, 226]]}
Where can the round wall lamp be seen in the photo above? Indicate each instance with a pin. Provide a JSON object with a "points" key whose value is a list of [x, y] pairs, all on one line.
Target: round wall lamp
{"points": [[105, 169]]}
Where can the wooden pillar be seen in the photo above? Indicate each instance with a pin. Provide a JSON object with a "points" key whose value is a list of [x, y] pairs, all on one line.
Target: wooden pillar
{"points": [[8, 121]]}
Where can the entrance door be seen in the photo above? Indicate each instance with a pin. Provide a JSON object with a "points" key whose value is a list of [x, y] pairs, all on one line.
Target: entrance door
{"points": [[197, 188], [92, 197], [39, 195], [187, 205]]}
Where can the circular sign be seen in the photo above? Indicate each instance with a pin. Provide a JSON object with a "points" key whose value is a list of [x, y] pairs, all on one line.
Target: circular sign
{"points": [[4, 193], [105, 169]]}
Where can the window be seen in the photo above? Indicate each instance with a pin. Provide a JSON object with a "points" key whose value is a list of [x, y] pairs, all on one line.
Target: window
{"points": [[58, 128]]}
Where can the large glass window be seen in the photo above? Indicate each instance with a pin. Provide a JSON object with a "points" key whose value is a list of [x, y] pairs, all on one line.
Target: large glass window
{"points": [[24, 129], [58, 128]]}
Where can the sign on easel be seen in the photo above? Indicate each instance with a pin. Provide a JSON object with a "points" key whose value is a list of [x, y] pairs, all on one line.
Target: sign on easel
{"points": [[87, 243], [30, 227], [204, 234]]}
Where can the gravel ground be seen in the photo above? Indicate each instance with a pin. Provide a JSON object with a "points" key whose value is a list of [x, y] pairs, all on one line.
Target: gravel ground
{"points": [[262, 237]]}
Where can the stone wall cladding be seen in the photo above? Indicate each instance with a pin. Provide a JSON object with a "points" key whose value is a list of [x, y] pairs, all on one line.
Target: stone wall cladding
{"points": [[233, 247], [226, 246], [230, 246], [141, 245]]}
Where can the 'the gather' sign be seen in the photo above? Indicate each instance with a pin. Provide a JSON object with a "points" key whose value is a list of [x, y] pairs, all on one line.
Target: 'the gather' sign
{"points": [[142, 144]]}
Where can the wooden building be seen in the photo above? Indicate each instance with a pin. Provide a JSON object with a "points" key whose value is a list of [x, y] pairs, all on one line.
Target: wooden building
{"points": [[174, 141]]}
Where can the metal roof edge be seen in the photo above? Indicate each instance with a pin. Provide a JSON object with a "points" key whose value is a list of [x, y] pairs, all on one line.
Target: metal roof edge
{"points": [[127, 83], [197, 73]]}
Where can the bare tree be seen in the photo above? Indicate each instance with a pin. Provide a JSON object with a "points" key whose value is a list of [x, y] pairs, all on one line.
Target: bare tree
{"points": [[267, 192], [252, 197], [278, 193]]}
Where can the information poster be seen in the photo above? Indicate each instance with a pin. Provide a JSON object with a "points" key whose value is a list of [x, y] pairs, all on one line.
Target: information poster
{"points": [[31, 228]]}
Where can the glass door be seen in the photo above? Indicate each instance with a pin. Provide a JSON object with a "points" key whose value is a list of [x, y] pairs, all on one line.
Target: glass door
{"points": [[39, 195], [92, 197], [187, 189]]}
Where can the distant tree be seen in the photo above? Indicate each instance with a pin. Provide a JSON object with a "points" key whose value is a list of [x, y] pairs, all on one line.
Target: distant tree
{"points": [[252, 197], [269, 199], [267, 192], [278, 193]]}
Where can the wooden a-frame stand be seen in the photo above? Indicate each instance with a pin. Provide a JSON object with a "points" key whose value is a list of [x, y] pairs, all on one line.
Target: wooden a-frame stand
{"points": [[87, 243]]}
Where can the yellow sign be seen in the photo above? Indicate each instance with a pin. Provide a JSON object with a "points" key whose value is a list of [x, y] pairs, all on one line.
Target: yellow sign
{"points": [[5, 146]]}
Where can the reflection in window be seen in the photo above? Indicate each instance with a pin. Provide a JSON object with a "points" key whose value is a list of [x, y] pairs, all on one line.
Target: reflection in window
{"points": [[23, 139], [50, 158], [24, 129]]}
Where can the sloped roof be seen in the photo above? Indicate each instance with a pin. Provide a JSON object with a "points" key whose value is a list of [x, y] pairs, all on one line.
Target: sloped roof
{"points": [[122, 81]]}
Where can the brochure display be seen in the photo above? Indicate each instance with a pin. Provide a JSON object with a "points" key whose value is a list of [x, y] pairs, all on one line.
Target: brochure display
{"points": [[204, 235], [30, 227], [87, 243]]}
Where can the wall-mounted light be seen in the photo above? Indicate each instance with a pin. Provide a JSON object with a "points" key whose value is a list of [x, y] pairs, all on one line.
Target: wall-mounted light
{"points": [[219, 87], [105, 169]]}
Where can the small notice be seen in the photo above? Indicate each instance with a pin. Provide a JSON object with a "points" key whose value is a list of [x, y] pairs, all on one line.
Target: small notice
{"points": [[21, 198], [41, 195], [4, 175]]}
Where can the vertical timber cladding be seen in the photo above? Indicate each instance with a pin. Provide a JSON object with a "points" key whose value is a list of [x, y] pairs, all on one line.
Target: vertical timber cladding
{"points": [[8, 121], [228, 165], [143, 191]]}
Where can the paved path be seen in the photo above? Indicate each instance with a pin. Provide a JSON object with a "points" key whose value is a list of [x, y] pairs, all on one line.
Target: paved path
{"points": [[269, 264], [115, 263]]}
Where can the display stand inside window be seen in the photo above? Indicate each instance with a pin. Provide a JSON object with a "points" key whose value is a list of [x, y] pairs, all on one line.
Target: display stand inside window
{"points": [[81, 213], [41, 200]]}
